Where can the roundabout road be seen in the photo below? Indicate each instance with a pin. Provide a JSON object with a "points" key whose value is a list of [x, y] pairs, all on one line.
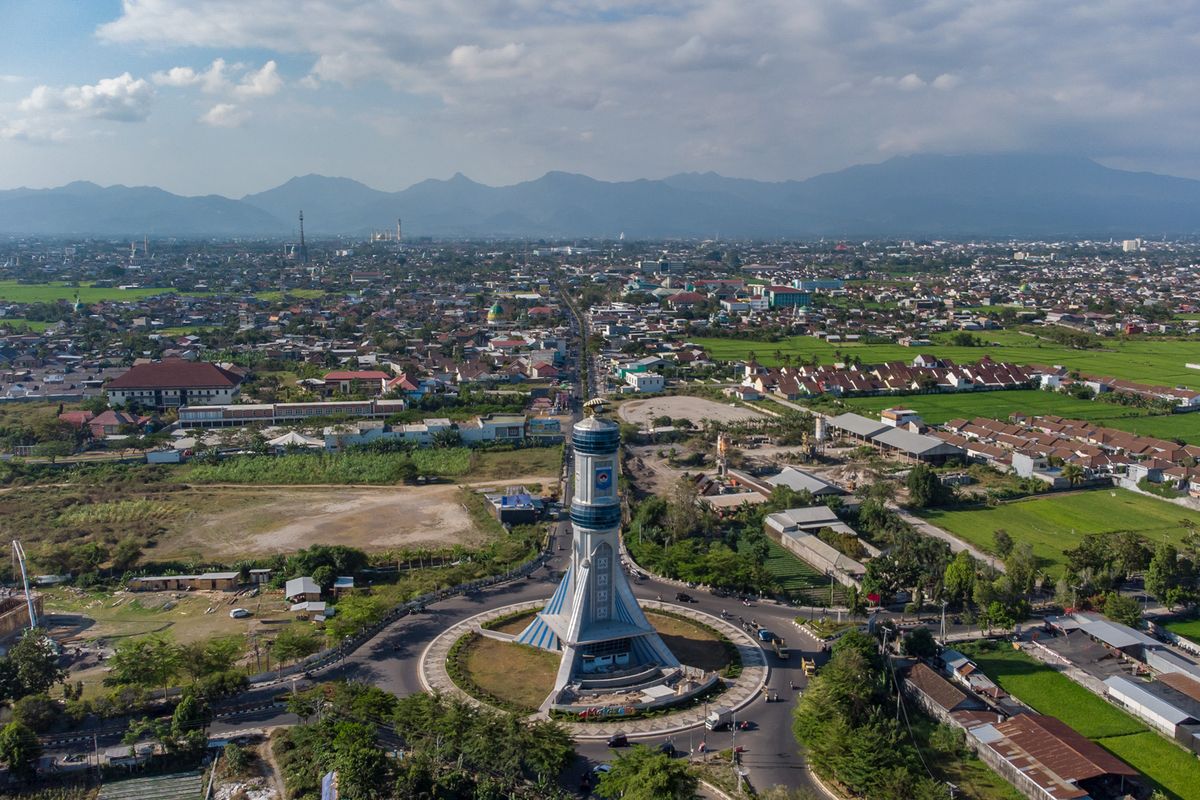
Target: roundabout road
{"points": [[392, 659]]}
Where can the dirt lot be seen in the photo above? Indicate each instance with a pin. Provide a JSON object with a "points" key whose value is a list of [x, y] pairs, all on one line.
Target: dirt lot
{"points": [[90, 625], [696, 409], [256, 520]]}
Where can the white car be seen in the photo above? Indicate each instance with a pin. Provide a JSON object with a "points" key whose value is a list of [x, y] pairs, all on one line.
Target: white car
{"points": [[239, 613]]}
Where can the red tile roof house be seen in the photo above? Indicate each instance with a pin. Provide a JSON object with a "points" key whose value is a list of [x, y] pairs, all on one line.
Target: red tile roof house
{"points": [[173, 383], [110, 423], [370, 381]]}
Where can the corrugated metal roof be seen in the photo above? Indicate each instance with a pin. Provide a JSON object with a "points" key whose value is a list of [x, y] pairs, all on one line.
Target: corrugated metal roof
{"points": [[857, 424], [1112, 633], [1140, 694]]}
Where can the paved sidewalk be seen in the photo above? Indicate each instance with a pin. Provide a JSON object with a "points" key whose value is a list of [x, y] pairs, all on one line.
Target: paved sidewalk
{"points": [[741, 691]]}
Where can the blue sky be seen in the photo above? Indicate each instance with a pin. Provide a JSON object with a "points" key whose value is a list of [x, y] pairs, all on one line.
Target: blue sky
{"points": [[236, 96]]}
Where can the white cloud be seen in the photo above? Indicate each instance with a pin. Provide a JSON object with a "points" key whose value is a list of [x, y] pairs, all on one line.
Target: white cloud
{"points": [[479, 63], [122, 98], [225, 115], [23, 130], [11, 78], [693, 77], [260, 83], [219, 79], [946, 82]]}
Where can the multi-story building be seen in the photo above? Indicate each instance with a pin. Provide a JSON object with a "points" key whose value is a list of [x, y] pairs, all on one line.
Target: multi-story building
{"points": [[173, 383]]}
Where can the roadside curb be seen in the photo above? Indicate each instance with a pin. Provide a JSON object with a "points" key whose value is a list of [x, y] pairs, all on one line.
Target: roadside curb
{"points": [[756, 671]]}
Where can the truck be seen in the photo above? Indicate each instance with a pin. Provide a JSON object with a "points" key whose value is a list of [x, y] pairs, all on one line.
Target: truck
{"points": [[718, 719], [780, 648]]}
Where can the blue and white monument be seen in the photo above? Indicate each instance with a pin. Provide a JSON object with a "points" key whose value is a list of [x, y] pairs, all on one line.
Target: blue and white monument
{"points": [[593, 618]]}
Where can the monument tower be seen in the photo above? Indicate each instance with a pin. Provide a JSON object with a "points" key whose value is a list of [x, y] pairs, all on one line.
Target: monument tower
{"points": [[593, 618]]}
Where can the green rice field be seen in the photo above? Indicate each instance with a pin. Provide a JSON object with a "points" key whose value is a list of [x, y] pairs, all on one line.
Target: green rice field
{"points": [[1187, 628], [1171, 768], [799, 578], [16, 292], [937, 408], [1158, 361], [1057, 522]]}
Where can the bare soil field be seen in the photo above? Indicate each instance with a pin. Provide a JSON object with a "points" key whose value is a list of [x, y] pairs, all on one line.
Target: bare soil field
{"points": [[696, 409], [247, 521]]}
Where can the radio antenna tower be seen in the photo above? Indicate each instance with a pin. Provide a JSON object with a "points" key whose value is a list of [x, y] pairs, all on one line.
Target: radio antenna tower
{"points": [[303, 247]]}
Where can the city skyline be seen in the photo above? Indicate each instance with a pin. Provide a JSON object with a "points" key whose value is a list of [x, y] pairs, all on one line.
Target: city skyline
{"points": [[230, 98]]}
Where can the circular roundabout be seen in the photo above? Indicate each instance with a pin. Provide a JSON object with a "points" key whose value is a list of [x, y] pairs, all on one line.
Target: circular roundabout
{"points": [[476, 660]]}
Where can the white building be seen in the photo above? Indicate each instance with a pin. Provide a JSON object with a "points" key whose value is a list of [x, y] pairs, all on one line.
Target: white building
{"points": [[645, 381]]}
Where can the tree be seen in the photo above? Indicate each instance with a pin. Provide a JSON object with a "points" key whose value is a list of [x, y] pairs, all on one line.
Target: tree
{"points": [[644, 774], [1002, 543], [1021, 568], [150, 662], [294, 643], [1122, 609], [36, 712], [958, 581], [204, 658], [919, 643], [126, 553], [1073, 473], [1164, 572], [684, 515], [19, 749], [924, 488], [53, 450], [34, 665]]}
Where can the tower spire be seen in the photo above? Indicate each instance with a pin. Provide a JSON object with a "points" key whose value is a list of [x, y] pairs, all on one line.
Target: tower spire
{"points": [[303, 247], [593, 619]]}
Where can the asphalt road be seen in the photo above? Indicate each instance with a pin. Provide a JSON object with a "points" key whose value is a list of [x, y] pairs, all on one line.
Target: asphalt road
{"points": [[392, 662]]}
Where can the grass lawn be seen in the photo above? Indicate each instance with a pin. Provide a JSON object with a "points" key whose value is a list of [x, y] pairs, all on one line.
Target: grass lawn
{"points": [[1175, 771], [1158, 361], [692, 644], [515, 673], [1167, 765], [1057, 522], [1187, 628], [488, 465], [800, 579], [974, 779]]}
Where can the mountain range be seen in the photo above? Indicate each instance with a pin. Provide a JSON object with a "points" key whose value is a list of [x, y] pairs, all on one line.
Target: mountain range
{"points": [[910, 197]]}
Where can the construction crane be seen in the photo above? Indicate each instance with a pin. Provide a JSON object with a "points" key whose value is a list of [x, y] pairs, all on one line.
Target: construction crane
{"points": [[19, 558]]}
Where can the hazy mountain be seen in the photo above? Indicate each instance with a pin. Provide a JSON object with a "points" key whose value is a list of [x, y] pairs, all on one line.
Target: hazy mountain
{"points": [[84, 208], [911, 196]]}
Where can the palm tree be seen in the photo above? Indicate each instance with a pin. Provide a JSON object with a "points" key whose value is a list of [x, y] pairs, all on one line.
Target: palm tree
{"points": [[1073, 473]]}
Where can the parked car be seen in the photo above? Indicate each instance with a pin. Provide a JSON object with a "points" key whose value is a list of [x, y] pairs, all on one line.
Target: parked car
{"points": [[239, 613]]}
